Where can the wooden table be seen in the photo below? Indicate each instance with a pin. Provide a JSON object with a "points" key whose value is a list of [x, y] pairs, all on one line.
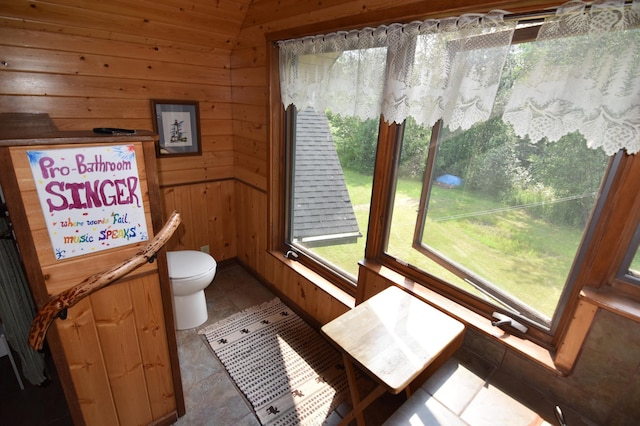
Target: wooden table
{"points": [[393, 337]]}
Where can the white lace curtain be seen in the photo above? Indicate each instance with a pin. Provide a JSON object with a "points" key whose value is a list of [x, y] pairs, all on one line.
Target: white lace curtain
{"points": [[427, 73], [585, 77], [588, 83], [343, 72]]}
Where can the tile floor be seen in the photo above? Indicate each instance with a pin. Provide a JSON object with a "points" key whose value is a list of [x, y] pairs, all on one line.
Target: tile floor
{"points": [[211, 398], [466, 391]]}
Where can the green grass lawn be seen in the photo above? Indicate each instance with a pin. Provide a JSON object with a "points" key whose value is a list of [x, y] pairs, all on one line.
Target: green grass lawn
{"points": [[527, 257]]}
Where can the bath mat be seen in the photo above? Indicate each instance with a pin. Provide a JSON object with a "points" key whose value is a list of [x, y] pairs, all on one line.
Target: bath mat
{"points": [[287, 371]]}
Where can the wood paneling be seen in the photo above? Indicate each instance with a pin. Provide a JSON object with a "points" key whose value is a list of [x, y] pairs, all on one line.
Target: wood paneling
{"points": [[58, 85], [81, 45], [79, 337], [296, 284], [570, 347], [97, 64], [117, 331], [153, 345], [320, 303], [128, 18], [209, 217], [87, 64], [251, 223]]}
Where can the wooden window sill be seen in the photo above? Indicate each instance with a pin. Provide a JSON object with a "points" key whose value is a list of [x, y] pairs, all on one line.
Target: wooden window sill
{"points": [[591, 299], [524, 347], [322, 283], [610, 300]]}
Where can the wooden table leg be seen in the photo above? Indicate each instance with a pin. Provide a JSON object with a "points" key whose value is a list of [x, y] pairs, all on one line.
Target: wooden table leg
{"points": [[355, 394]]}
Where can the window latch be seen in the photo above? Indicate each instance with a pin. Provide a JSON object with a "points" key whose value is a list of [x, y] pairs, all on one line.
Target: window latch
{"points": [[502, 320], [290, 254]]}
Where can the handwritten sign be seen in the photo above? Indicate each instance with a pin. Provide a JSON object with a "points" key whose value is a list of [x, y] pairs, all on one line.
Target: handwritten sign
{"points": [[90, 197]]}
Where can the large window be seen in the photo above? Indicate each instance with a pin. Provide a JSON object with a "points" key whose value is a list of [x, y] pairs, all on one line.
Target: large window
{"points": [[497, 178], [331, 159], [331, 162], [496, 216]]}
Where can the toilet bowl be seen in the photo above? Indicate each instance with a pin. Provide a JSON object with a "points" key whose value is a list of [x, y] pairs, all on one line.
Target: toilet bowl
{"points": [[190, 272]]}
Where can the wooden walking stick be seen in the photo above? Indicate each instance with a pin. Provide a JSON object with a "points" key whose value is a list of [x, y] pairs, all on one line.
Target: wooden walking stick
{"points": [[57, 307]]}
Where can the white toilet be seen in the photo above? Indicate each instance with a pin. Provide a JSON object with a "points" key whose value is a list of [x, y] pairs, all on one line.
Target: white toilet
{"points": [[190, 272]]}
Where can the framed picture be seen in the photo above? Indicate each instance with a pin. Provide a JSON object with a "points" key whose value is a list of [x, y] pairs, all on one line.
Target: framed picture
{"points": [[178, 125]]}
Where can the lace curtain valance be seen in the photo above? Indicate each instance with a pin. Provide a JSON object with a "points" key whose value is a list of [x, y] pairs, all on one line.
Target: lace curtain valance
{"points": [[343, 72], [418, 69], [584, 78]]}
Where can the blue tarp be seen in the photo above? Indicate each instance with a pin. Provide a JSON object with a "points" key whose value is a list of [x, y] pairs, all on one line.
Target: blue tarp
{"points": [[449, 180]]}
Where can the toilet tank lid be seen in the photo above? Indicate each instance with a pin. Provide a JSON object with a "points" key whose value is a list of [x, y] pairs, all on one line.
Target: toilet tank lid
{"points": [[189, 263]]}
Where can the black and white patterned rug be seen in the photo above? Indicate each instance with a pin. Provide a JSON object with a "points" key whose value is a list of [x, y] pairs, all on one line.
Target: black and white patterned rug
{"points": [[287, 371]]}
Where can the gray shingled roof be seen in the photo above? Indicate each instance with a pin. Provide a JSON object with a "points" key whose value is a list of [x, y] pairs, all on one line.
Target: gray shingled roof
{"points": [[323, 211]]}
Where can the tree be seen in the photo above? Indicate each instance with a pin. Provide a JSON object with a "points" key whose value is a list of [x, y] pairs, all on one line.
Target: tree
{"points": [[574, 171], [484, 156], [356, 141], [415, 148]]}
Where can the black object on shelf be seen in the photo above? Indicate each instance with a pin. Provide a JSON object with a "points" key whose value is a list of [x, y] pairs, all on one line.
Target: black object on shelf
{"points": [[114, 131]]}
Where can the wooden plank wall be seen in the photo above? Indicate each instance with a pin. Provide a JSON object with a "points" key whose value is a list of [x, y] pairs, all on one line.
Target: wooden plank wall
{"points": [[209, 211], [96, 63]]}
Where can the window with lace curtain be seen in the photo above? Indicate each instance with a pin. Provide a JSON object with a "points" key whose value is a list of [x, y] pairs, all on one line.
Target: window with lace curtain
{"points": [[508, 134]]}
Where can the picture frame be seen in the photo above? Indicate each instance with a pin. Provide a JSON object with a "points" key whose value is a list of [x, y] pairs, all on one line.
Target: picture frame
{"points": [[177, 124]]}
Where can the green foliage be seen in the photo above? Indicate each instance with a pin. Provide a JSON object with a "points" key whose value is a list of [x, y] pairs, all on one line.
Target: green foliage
{"points": [[415, 148], [570, 168], [484, 155], [558, 181], [356, 141]]}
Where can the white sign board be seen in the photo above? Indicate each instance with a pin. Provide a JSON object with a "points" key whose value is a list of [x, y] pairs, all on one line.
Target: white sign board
{"points": [[90, 197]]}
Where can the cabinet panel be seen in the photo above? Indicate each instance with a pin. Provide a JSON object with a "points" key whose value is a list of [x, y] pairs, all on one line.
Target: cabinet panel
{"points": [[116, 351], [150, 325], [82, 349]]}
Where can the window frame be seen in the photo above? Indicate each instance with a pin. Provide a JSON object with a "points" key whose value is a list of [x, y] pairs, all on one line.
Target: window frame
{"points": [[527, 314], [538, 333], [624, 232], [299, 254], [595, 271], [633, 250]]}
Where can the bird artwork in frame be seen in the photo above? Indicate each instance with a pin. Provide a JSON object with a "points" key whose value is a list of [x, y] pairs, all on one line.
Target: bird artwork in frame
{"points": [[177, 124]]}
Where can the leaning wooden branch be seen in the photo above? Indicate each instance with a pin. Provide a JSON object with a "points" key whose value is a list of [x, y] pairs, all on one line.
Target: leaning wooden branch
{"points": [[70, 297]]}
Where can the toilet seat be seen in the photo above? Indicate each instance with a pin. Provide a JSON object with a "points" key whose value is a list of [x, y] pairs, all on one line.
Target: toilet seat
{"points": [[189, 264], [192, 278]]}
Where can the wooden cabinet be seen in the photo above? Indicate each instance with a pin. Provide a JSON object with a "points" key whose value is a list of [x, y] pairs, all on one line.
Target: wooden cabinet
{"points": [[116, 351]]}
